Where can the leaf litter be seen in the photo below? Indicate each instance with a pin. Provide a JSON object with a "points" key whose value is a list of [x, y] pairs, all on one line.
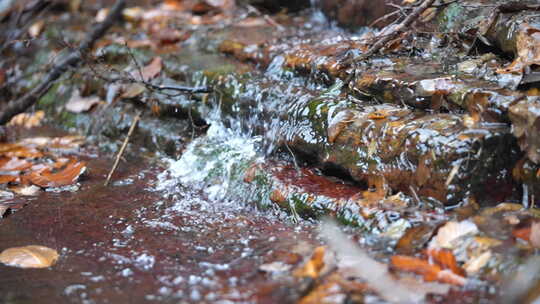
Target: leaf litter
{"points": [[30, 165]]}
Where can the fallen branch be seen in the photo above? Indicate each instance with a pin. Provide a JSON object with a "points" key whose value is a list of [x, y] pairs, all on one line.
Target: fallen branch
{"points": [[20, 105], [399, 28], [127, 78], [122, 149]]}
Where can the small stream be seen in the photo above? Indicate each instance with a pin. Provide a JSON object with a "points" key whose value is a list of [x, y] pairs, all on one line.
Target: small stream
{"points": [[219, 197]]}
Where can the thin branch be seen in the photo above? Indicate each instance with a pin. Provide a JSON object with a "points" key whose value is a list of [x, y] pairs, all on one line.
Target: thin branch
{"points": [[122, 149], [72, 60], [410, 19]]}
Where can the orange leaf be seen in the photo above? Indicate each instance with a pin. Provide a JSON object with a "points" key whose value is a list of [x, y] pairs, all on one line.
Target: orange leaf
{"points": [[13, 164], [314, 266], [446, 259], [17, 150], [522, 233], [430, 272], [4, 179], [65, 177]]}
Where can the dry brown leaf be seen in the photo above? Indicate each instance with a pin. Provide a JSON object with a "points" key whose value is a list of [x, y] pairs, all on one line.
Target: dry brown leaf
{"points": [[152, 69], [32, 256], [68, 176], [27, 120], [415, 238], [528, 52], [133, 90], [78, 104]]}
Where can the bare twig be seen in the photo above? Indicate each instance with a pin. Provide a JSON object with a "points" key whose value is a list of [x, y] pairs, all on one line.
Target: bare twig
{"points": [[160, 89], [20, 105], [123, 148], [410, 19]]}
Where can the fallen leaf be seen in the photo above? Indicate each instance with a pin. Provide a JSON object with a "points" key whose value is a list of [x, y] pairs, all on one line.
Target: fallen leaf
{"points": [[32, 256], [522, 233], [4, 179], [25, 190], [35, 29], [17, 150], [313, 266], [414, 238], [377, 115], [133, 90], [446, 259], [535, 234], [69, 142], [14, 164], [69, 175], [27, 120], [338, 123], [430, 272], [359, 264], [450, 232], [78, 104], [528, 54], [474, 265], [151, 70]]}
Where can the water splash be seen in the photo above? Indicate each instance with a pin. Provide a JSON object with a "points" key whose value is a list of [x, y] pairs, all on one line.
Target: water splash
{"points": [[214, 164]]}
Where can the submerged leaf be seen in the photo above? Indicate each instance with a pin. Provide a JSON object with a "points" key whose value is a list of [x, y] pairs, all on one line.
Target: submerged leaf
{"points": [[152, 69], [79, 104], [65, 177], [32, 256], [27, 120]]}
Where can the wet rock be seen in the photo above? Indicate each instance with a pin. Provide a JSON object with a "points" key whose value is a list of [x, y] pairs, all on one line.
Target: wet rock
{"points": [[356, 13], [429, 155], [277, 5], [510, 27], [305, 193], [525, 116], [408, 149]]}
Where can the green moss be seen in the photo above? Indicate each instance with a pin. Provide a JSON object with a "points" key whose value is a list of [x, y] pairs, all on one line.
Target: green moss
{"points": [[451, 17]]}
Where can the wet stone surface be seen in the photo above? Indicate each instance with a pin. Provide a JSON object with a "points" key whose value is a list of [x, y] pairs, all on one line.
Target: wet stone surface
{"points": [[127, 243]]}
